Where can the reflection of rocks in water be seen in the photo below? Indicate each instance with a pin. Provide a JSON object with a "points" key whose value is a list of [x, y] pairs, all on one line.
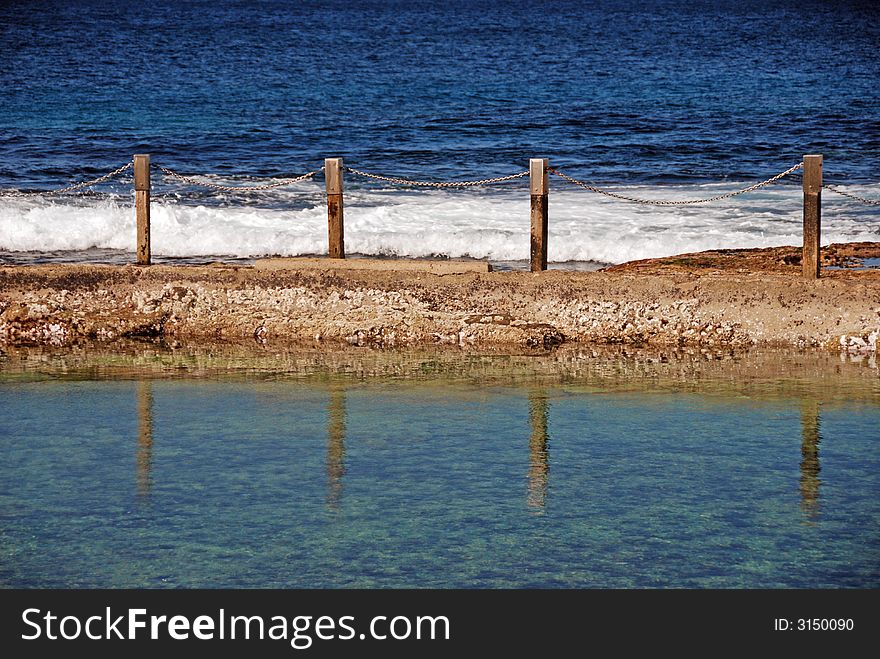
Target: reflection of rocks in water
{"points": [[145, 439], [795, 374], [539, 466], [335, 447], [810, 458]]}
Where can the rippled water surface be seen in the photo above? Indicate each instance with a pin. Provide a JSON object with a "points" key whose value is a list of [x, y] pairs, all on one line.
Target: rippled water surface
{"points": [[590, 470]]}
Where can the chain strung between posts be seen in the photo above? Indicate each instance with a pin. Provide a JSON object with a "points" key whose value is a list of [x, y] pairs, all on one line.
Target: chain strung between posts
{"points": [[434, 184], [71, 188], [235, 188], [661, 202], [874, 202]]}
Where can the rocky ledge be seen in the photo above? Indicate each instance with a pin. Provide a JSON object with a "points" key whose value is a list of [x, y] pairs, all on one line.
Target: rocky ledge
{"points": [[725, 298]]}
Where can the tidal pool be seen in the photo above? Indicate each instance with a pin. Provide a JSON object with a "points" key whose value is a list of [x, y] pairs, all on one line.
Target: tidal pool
{"points": [[158, 467]]}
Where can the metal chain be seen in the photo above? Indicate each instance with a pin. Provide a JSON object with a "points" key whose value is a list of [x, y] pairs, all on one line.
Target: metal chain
{"points": [[660, 202], [434, 184], [874, 202], [71, 188], [235, 188]]}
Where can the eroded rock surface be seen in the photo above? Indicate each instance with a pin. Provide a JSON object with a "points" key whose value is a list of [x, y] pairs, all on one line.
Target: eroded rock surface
{"points": [[716, 304]]}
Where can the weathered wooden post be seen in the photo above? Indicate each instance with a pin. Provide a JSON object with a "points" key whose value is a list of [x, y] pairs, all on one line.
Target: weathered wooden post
{"points": [[142, 207], [538, 188], [335, 226], [812, 215]]}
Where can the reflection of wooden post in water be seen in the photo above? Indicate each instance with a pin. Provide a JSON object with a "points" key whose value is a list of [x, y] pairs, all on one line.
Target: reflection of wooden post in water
{"points": [[335, 447], [810, 457], [539, 467], [145, 439]]}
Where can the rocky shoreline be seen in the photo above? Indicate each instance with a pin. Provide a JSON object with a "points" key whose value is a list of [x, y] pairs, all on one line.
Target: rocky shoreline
{"points": [[725, 298]]}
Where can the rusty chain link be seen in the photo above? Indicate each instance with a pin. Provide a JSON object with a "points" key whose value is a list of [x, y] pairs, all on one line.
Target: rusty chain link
{"points": [[235, 188], [435, 184], [661, 202], [71, 188], [873, 202]]}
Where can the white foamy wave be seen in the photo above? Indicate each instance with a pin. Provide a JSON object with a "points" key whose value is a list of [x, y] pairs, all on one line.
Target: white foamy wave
{"points": [[417, 223]]}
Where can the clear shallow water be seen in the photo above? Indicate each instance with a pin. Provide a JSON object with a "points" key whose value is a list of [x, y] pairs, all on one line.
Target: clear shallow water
{"points": [[474, 471], [686, 99]]}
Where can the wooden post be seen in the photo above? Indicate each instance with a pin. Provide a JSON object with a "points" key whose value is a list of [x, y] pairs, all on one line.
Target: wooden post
{"points": [[538, 188], [335, 225], [812, 215], [142, 207]]}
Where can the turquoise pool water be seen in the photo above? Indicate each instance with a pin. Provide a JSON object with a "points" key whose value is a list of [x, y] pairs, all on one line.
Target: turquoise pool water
{"points": [[655, 479]]}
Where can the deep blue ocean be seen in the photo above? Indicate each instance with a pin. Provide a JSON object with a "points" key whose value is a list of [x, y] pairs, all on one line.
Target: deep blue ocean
{"points": [[672, 97]]}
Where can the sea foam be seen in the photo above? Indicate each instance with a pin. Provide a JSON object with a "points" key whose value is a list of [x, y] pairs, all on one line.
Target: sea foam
{"points": [[484, 224]]}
